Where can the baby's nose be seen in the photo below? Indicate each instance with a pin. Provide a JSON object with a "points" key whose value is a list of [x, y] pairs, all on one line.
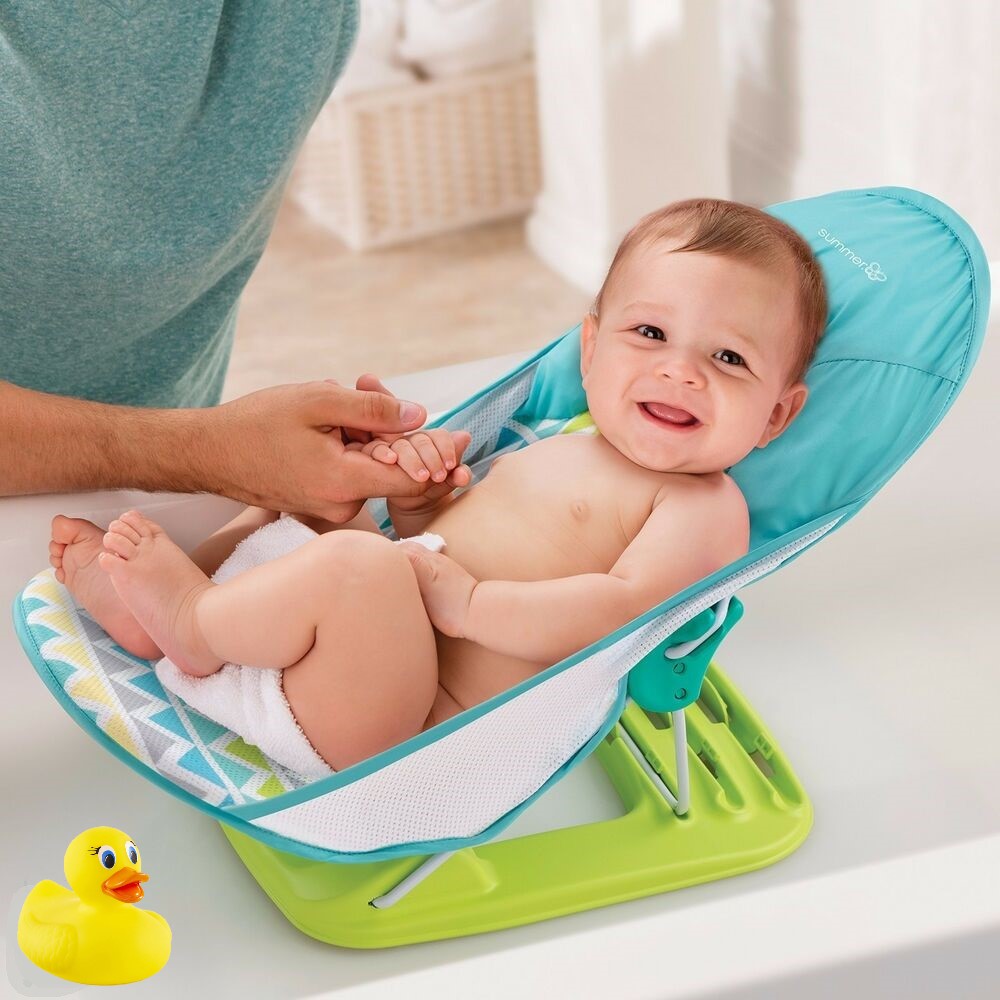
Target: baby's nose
{"points": [[681, 367]]}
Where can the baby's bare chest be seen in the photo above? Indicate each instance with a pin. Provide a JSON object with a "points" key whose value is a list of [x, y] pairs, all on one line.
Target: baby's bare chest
{"points": [[557, 508]]}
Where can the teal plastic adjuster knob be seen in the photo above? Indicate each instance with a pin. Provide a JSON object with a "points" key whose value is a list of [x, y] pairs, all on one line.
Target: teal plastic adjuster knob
{"points": [[670, 677]]}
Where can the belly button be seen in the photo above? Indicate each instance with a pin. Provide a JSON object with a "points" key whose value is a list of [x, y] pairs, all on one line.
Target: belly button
{"points": [[580, 509]]}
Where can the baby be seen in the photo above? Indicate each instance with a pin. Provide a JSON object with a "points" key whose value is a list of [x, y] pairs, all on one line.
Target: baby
{"points": [[692, 356]]}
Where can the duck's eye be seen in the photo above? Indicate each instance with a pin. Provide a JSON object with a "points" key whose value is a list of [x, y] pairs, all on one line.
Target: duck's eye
{"points": [[133, 854], [107, 856]]}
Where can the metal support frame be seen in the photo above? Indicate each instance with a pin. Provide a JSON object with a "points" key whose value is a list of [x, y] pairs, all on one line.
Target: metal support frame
{"points": [[411, 881], [679, 803], [720, 610], [682, 802]]}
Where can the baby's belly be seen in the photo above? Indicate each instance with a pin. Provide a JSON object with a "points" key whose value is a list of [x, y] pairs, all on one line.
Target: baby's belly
{"points": [[469, 674], [494, 542]]}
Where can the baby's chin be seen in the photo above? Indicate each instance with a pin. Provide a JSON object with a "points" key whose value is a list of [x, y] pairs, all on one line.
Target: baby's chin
{"points": [[642, 454]]}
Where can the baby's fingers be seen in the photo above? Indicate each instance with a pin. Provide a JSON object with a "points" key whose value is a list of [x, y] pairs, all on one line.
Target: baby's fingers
{"points": [[428, 445], [461, 476], [449, 445], [380, 451], [459, 442], [409, 460]]}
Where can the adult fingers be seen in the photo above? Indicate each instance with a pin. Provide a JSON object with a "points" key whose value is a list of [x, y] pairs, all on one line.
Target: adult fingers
{"points": [[372, 383], [367, 410], [362, 477]]}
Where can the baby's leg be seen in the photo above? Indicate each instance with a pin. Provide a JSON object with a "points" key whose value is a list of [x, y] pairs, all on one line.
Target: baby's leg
{"points": [[76, 543], [342, 613]]}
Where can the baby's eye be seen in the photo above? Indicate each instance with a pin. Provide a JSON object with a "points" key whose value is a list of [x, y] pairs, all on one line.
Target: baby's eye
{"points": [[658, 333], [739, 360]]}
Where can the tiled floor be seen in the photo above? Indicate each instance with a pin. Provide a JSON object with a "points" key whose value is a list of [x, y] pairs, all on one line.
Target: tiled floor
{"points": [[314, 309]]}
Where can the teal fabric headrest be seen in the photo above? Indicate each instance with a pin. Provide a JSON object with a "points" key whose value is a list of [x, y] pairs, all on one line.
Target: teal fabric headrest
{"points": [[909, 293]]}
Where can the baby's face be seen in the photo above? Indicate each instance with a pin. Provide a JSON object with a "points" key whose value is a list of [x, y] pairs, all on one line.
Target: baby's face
{"points": [[697, 333]]}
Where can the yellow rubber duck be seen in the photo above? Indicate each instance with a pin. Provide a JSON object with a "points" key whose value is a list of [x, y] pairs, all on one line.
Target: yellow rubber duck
{"points": [[91, 933]]}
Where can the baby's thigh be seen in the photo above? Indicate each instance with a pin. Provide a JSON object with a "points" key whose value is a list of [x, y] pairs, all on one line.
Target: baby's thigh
{"points": [[371, 677]]}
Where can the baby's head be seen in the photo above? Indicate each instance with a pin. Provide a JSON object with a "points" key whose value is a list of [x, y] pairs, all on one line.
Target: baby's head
{"points": [[711, 307]]}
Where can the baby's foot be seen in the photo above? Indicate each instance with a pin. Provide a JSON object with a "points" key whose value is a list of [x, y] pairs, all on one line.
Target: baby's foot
{"points": [[161, 586], [73, 552]]}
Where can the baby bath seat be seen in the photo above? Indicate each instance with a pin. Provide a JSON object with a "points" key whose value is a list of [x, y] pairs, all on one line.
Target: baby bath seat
{"points": [[394, 850]]}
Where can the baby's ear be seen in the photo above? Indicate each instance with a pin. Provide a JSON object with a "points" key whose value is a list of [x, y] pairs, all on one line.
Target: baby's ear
{"points": [[785, 411]]}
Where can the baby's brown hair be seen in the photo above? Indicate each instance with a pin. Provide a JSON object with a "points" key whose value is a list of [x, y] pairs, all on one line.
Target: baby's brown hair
{"points": [[732, 229]]}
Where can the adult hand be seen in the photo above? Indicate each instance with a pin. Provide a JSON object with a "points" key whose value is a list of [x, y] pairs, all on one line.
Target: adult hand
{"points": [[368, 383], [284, 447]]}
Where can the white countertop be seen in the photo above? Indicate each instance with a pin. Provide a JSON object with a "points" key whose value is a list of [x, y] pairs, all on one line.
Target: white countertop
{"points": [[898, 881]]}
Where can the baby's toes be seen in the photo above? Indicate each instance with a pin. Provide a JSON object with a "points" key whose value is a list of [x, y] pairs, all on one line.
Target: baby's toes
{"points": [[142, 524], [65, 529], [56, 550], [120, 545], [124, 528]]}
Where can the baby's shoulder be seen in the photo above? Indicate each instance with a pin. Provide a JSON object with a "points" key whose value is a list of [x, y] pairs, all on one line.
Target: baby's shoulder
{"points": [[684, 489], [690, 486]]}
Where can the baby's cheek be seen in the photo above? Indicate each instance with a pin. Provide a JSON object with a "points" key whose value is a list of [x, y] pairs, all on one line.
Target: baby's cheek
{"points": [[608, 404]]}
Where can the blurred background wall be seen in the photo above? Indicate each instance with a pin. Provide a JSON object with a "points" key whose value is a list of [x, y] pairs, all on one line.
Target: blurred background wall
{"points": [[462, 192], [827, 95]]}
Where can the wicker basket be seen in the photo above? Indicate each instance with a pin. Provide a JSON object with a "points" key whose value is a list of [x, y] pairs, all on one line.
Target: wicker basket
{"points": [[382, 167]]}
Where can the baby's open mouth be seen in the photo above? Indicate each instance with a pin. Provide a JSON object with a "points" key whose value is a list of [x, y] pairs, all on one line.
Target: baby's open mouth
{"points": [[668, 415]]}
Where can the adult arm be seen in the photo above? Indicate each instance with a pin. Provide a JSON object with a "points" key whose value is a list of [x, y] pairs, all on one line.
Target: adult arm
{"points": [[56, 444], [281, 448]]}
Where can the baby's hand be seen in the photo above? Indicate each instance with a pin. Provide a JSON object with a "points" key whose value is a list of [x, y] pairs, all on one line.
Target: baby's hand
{"points": [[442, 453], [424, 455], [445, 586]]}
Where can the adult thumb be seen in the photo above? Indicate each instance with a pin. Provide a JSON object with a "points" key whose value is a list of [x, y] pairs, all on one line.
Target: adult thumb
{"points": [[371, 411]]}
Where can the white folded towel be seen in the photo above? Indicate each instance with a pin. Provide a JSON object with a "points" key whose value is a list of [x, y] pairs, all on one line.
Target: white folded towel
{"points": [[266, 543]]}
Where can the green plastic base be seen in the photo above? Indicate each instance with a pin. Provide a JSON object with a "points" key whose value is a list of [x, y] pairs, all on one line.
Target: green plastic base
{"points": [[747, 810]]}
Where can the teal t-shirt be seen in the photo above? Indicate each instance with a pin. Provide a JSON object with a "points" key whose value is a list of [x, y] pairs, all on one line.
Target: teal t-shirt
{"points": [[144, 149]]}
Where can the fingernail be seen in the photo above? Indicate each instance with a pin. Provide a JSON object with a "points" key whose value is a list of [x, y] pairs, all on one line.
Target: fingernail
{"points": [[449, 465], [408, 412], [439, 476]]}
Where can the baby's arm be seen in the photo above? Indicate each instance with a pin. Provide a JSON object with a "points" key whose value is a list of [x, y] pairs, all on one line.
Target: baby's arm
{"points": [[438, 454], [697, 529], [425, 456]]}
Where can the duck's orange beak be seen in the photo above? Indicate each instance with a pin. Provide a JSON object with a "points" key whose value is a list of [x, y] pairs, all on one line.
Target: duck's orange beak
{"points": [[124, 885]]}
